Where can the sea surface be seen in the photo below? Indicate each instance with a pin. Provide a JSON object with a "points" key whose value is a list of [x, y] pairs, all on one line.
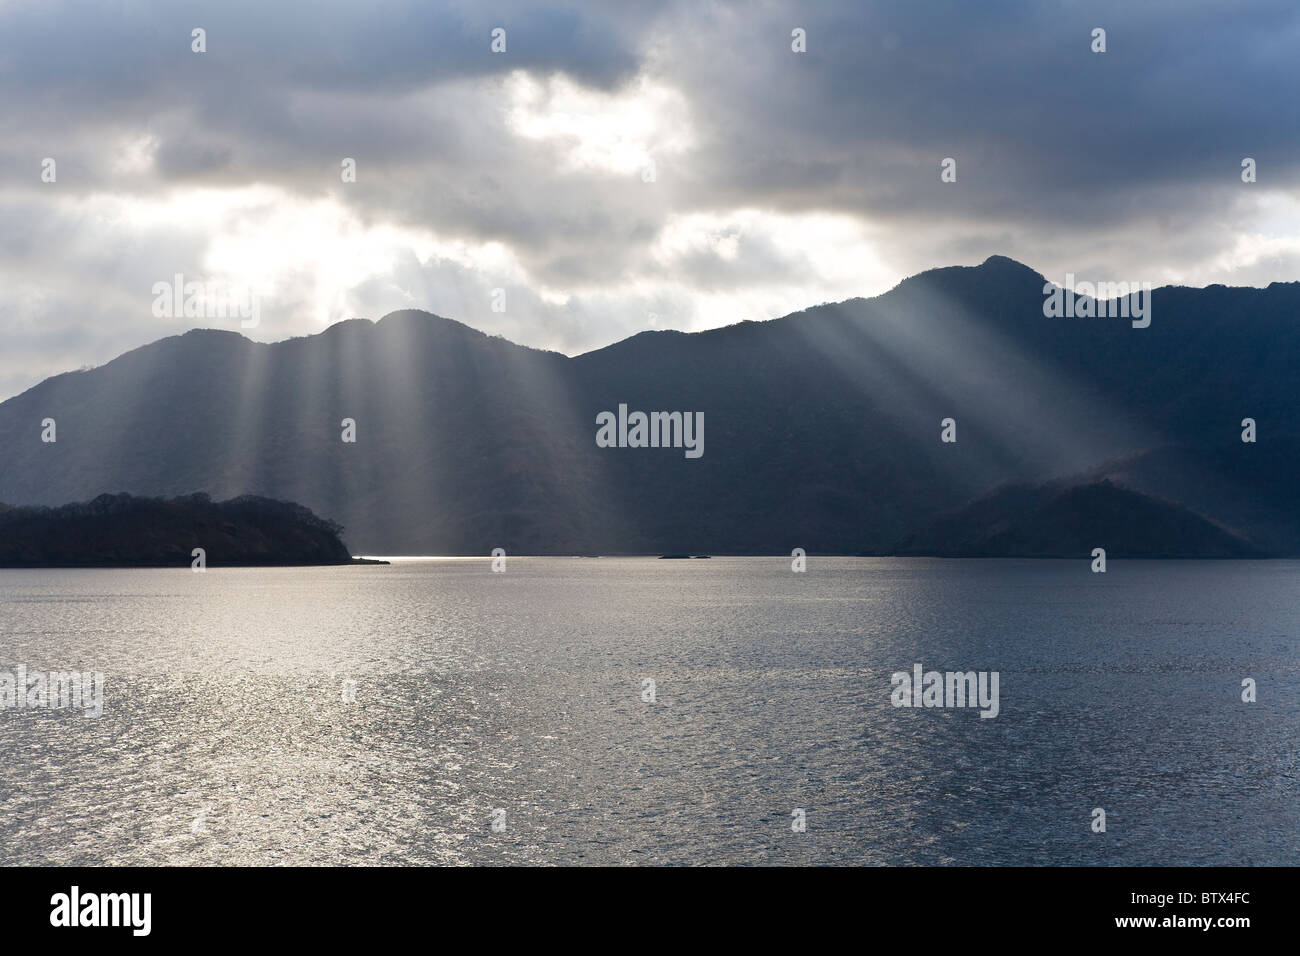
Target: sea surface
{"points": [[388, 714]]}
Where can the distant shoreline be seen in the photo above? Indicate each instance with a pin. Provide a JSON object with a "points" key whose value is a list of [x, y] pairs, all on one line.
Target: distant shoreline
{"points": [[389, 558], [153, 566], [360, 560]]}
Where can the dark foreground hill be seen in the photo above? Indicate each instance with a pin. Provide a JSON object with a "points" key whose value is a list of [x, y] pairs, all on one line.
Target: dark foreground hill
{"points": [[124, 531], [1059, 521], [822, 429]]}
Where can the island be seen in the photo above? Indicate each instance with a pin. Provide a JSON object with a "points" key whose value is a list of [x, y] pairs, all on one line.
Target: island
{"points": [[126, 531]]}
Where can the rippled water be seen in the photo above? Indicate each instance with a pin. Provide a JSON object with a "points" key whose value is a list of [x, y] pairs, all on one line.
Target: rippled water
{"points": [[226, 739]]}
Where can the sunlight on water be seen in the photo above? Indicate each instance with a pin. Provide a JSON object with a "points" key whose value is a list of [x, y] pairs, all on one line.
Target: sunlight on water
{"points": [[381, 714]]}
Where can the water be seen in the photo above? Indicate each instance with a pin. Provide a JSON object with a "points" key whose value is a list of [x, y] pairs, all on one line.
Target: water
{"points": [[226, 739]]}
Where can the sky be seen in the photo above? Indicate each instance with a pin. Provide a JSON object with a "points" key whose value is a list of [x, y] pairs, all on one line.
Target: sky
{"points": [[600, 169]]}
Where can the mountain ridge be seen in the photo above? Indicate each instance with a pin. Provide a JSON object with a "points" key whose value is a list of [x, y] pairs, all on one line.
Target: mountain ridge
{"points": [[822, 427], [995, 259]]}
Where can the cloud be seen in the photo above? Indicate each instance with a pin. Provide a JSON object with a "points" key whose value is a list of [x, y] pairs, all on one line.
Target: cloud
{"points": [[668, 164]]}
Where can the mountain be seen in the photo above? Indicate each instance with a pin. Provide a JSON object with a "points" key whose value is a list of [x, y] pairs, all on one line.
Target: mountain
{"points": [[1255, 496], [125, 531], [822, 428]]}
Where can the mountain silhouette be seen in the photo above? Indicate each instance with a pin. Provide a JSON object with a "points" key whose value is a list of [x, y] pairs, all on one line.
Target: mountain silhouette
{"points": [[822, 428], [1058, 520]]}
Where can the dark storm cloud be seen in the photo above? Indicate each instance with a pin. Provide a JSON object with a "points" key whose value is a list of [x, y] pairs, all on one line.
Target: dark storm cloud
{"points": [[1011, 90]]}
